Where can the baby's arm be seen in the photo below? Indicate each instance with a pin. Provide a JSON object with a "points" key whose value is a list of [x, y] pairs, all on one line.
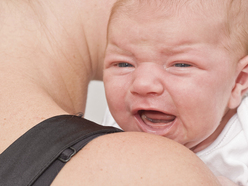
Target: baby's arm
{"points": [[225, 181]]}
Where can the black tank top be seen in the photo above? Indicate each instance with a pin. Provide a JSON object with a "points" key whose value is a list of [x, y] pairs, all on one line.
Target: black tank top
{"points": [[37, 157]]}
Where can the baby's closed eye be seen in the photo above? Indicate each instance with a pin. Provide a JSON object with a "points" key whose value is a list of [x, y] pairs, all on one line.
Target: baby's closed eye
{"points": [[124, 64], [182, 65]]}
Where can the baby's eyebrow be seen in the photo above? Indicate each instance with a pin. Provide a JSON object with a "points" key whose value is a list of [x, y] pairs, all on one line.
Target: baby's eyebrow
{"points": [[173, 51], [179, 48], [113, 47], [163, 50]]}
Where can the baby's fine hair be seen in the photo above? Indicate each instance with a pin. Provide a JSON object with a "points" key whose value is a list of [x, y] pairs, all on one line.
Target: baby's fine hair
{"points": [[234, 15]]}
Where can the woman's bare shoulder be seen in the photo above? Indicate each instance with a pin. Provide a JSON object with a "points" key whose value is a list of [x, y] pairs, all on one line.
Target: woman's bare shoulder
{"points": [[132, 158]]}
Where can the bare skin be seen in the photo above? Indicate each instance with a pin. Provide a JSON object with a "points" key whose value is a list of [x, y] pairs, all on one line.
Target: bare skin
{"points": [[159, 162], [50, 51], [47, 60]]}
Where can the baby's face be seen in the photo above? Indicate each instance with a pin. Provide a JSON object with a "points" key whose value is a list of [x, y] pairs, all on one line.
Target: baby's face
{"points": [[170, 77]]}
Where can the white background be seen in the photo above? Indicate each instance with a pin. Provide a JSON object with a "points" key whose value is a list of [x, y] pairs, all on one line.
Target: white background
{"points": [[96, 103]]}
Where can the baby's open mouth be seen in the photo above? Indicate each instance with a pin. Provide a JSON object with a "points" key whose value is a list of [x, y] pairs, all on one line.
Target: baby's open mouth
{"points": [[156, 119]]}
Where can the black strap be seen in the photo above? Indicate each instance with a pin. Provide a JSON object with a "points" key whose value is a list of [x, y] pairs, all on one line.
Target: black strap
{"points": [[52, 142]]}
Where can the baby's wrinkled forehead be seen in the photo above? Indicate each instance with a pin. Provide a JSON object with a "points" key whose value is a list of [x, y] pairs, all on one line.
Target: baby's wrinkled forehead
{"points": [[210, 11], [229, 15], [170, 7]]}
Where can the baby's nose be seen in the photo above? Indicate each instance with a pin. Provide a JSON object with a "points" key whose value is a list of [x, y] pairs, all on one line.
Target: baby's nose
{"points": [[147, 80]]}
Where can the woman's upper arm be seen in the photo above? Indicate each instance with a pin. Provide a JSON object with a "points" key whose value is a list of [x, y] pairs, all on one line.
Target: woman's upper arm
{"points": [[132, 158]]}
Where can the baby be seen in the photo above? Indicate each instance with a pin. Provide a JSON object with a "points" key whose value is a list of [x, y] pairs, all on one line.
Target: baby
{"points": [[179, 69]]}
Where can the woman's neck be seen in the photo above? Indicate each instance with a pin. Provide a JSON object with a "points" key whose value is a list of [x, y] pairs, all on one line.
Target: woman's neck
{"points": [[48, 61], [23, 105]]}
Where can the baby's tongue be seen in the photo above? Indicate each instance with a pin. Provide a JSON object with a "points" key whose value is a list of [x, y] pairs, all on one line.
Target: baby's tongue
{"points": [[157, 117]]}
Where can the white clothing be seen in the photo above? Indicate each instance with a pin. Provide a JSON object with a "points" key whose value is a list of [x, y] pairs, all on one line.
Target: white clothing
{"points": [[228, 154], [108, 120]]}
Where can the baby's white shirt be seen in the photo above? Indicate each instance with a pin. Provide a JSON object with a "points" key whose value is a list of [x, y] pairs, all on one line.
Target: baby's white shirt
{"points": [[228, 154]]}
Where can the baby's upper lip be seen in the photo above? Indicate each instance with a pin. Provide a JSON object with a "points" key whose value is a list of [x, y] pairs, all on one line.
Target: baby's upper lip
{"points": [[147, 110]]}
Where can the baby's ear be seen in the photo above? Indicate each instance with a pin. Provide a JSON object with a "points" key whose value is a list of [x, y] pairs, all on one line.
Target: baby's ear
{"points": [[241, 85]]}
